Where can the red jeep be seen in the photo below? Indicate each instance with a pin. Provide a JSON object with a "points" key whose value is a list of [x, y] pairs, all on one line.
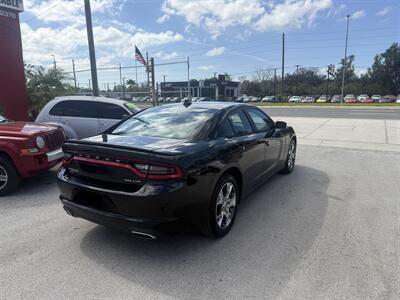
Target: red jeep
{"points": [[26, 149]]}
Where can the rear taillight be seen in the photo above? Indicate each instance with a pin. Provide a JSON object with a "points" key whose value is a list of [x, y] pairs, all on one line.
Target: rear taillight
{"points": [[143, 170], [158, 172]]}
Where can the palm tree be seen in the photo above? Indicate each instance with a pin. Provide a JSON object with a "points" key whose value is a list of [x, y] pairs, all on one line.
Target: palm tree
{"points": [[44, 85]]}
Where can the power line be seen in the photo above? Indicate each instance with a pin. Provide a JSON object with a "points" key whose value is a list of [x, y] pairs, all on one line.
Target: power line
{"points": [[44, 12]]}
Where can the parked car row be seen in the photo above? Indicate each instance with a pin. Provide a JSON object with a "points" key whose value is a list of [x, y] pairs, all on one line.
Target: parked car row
{"points": [[349, 98], [170, 99]]}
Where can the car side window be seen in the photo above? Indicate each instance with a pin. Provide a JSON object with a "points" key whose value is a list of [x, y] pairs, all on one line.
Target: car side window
{"points": [[110, 111], [240, 123], [261, 121], [73, 108], [226, 130]]}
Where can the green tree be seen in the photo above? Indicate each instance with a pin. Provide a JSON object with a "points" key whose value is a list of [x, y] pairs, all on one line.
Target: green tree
{"points": [[131, 84], [385, 70]]}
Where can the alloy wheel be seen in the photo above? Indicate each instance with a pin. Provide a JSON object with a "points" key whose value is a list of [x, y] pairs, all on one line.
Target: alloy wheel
{"points": [[226, 205], [291, 155]]}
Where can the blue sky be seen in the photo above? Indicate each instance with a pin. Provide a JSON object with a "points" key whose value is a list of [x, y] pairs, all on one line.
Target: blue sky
{"points": [[234, 36]]}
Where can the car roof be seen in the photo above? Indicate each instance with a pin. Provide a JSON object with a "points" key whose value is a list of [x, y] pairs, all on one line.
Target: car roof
{"points": [[90, 98]]}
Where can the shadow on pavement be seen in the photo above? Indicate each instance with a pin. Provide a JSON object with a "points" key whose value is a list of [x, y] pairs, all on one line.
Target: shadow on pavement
{"points": [[274, 230]]}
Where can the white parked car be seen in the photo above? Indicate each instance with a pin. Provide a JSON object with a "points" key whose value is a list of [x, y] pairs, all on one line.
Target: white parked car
{"points": [[308, 99], [398, 99], [295, 99], [85, 116], [269, 99], [247, 99]]}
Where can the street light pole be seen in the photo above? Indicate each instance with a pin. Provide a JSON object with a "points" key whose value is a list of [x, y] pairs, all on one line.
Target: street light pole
{"points": [[54, 62], [345, 56], [297, 76]]}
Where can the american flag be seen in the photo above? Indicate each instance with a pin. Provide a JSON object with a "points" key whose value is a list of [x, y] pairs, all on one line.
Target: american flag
{"points": [[139, 56]]}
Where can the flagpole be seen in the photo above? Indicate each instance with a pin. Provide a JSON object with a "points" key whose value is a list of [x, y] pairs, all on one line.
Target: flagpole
{"points": [[137, 84]]}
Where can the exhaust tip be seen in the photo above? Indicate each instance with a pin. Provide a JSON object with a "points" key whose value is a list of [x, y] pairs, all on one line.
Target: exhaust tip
{"points": [[68, 212], [143, 235]]}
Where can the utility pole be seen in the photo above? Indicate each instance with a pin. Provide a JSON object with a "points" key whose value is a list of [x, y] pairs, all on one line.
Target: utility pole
{"points": [[345, 56], [215, 74], [123, 87], [120, 75], [164, 80], [188, 75], [283, 66], [90, 84], [73, 69], [153, 83], [275, 82], [92, 54], [297, 76], [54, 62]]}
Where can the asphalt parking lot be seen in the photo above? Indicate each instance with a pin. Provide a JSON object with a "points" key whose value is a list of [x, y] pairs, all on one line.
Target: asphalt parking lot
{"points": [[329, 230]]}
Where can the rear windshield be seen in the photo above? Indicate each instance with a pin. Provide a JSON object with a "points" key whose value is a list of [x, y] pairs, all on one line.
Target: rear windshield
{"points": [[168, 122]]}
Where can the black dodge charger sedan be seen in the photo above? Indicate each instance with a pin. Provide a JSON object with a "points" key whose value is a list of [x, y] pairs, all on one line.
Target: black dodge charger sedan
{"points": [[173, 166]]}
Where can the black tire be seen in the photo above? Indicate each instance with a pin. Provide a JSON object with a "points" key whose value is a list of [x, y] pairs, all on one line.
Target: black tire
{"points": [[9, 176], [211, 228], [290, 158]]}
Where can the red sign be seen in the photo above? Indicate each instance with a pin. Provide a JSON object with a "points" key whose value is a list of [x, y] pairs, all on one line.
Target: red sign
{"points": [[13, 95]]}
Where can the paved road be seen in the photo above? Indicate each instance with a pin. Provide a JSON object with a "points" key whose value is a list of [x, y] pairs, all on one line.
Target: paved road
{"points": [[380, 113], [330, 230]]}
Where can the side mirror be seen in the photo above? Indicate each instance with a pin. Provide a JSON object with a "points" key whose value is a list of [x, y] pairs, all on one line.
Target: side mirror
{"points": [[281, 124]]}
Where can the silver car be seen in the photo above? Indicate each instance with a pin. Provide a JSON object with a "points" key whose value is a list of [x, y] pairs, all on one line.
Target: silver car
{"points": [[85, 116]]}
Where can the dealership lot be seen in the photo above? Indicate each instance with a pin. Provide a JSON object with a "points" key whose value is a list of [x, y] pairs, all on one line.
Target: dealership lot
{"points": [[329, 230]]}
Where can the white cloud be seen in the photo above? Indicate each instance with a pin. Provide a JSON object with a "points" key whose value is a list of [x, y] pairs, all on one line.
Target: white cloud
{"points": [[162, 19], [216, 51], [291, 13], [216, 16], [71, 12], [383, 12], [206, 68], [358, 14], [166, 56], [69, 41]]}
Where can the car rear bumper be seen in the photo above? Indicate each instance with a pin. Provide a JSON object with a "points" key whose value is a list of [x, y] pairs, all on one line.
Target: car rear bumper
{"points": [[155, 207], [147, 228]]}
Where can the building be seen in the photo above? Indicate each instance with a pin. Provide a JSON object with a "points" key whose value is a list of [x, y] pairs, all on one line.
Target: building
{"points": [[13, 95], [214, 88]]}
